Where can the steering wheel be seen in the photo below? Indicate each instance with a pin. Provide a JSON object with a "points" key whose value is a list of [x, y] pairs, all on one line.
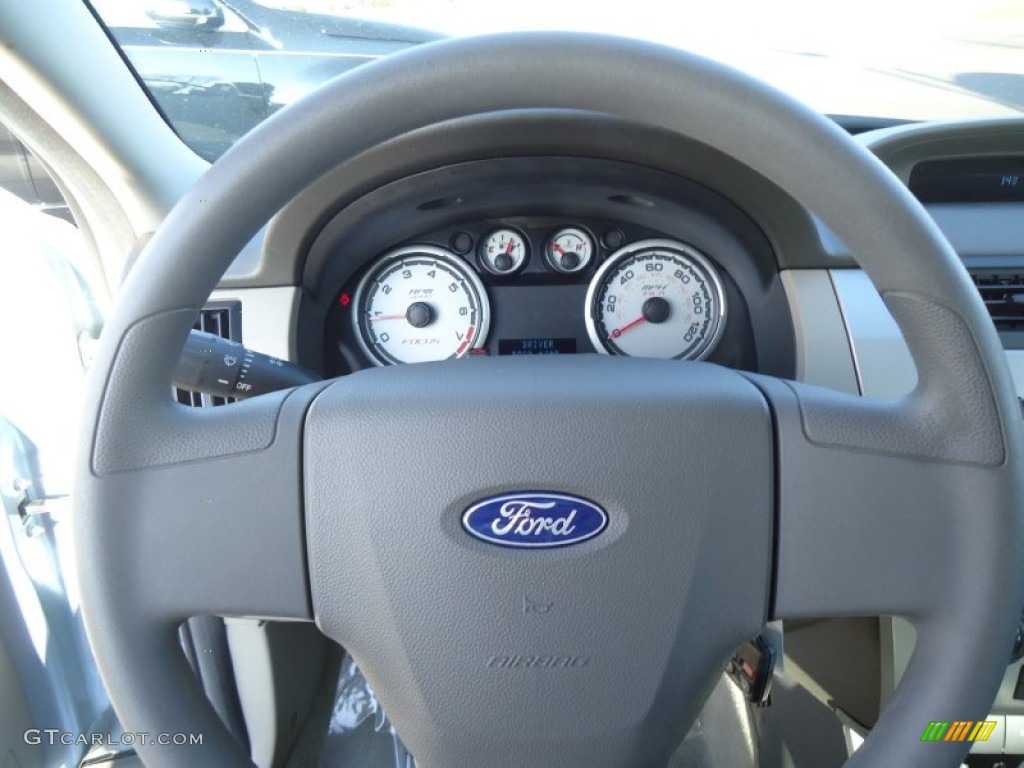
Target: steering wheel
{"points": [[730, 498]]}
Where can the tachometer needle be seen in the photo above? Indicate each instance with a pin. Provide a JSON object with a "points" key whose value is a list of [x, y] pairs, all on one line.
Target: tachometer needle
{"points": [[615, 334], [387, 317]]}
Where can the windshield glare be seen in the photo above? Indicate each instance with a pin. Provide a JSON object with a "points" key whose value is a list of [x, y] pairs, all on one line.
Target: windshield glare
{"points": [[218, 67]]}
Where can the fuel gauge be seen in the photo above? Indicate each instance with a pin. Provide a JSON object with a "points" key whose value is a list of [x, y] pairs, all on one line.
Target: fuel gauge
{"points": [[503, 251], [569, 250]]}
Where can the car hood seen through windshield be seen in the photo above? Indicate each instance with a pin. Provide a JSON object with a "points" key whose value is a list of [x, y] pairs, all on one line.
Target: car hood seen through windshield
{"points": [[872, 63]]}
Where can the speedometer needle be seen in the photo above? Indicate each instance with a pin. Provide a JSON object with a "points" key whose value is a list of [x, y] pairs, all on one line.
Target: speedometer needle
{"points": [[615, 334]]}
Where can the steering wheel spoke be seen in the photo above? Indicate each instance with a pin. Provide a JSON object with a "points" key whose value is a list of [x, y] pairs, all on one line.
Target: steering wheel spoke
{"points": [[218, 535], [870, 532], [198, 510], [893, 530]]}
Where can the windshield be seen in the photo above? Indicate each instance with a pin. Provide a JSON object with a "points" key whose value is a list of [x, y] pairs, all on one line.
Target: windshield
{"points": [[216, 68]]}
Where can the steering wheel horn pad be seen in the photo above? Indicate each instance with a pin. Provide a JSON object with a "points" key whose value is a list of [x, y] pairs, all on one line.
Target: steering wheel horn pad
{"points": [[679, 455], [732, 498]]}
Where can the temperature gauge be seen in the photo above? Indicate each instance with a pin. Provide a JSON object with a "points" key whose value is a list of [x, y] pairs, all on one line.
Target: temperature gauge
{"points": [[569, 251], [503, 251]]}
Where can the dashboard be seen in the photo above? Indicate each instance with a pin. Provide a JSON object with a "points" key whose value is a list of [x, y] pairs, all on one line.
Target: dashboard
{"points": [[552, 287], [544, 256], [794, 303]]}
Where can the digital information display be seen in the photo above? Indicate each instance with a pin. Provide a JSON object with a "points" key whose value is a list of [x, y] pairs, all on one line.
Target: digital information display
{"points": [[969, 180], [536, 346]]}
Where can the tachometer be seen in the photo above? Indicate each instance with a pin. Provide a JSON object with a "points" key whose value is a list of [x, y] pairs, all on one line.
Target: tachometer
{"points": [[656, 298], [420, 303]]}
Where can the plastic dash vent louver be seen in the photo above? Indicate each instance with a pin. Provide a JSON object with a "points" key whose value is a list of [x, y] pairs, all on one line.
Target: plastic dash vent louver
{"points": [[1003, 294], [224, 319]]}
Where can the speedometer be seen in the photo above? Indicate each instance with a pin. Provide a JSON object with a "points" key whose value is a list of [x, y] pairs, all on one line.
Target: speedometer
{"points": [[656, 298], [420, 303]]}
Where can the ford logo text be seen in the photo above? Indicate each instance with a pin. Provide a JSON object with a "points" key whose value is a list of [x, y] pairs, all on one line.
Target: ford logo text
{"points": [[534, 520]]}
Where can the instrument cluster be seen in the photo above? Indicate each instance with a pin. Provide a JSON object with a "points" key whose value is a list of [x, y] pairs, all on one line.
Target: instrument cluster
{"points": [[534, 285]]}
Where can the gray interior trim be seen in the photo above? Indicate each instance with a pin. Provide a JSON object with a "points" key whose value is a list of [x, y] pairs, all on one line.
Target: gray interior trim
{"points": [[213, 667], [823, 354], [104, 227], [884, 365], [897, 637], [281, 668], [269, 317], [1016, 360], [983, 231], [1005, 702], [249, 267], [254, 672]]}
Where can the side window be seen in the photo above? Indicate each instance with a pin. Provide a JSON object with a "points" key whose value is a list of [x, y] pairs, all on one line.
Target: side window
{"points": [[24, 176]]}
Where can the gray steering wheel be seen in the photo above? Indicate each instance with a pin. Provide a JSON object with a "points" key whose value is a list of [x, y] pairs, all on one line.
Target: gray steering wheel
{"points": [[799, 502]]}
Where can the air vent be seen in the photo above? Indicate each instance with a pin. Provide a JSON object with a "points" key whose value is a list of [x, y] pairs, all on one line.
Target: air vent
{"points": [[1003, 294], [224, 319]]}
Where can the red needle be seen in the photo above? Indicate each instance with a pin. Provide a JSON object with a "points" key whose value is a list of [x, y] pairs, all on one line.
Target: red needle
{"points": [[626, 327], [558, 248], [387, 317], [508, 249]]}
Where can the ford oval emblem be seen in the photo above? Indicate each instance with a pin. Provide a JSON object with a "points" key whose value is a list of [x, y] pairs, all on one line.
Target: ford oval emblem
{"points": [[534, 520]]}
